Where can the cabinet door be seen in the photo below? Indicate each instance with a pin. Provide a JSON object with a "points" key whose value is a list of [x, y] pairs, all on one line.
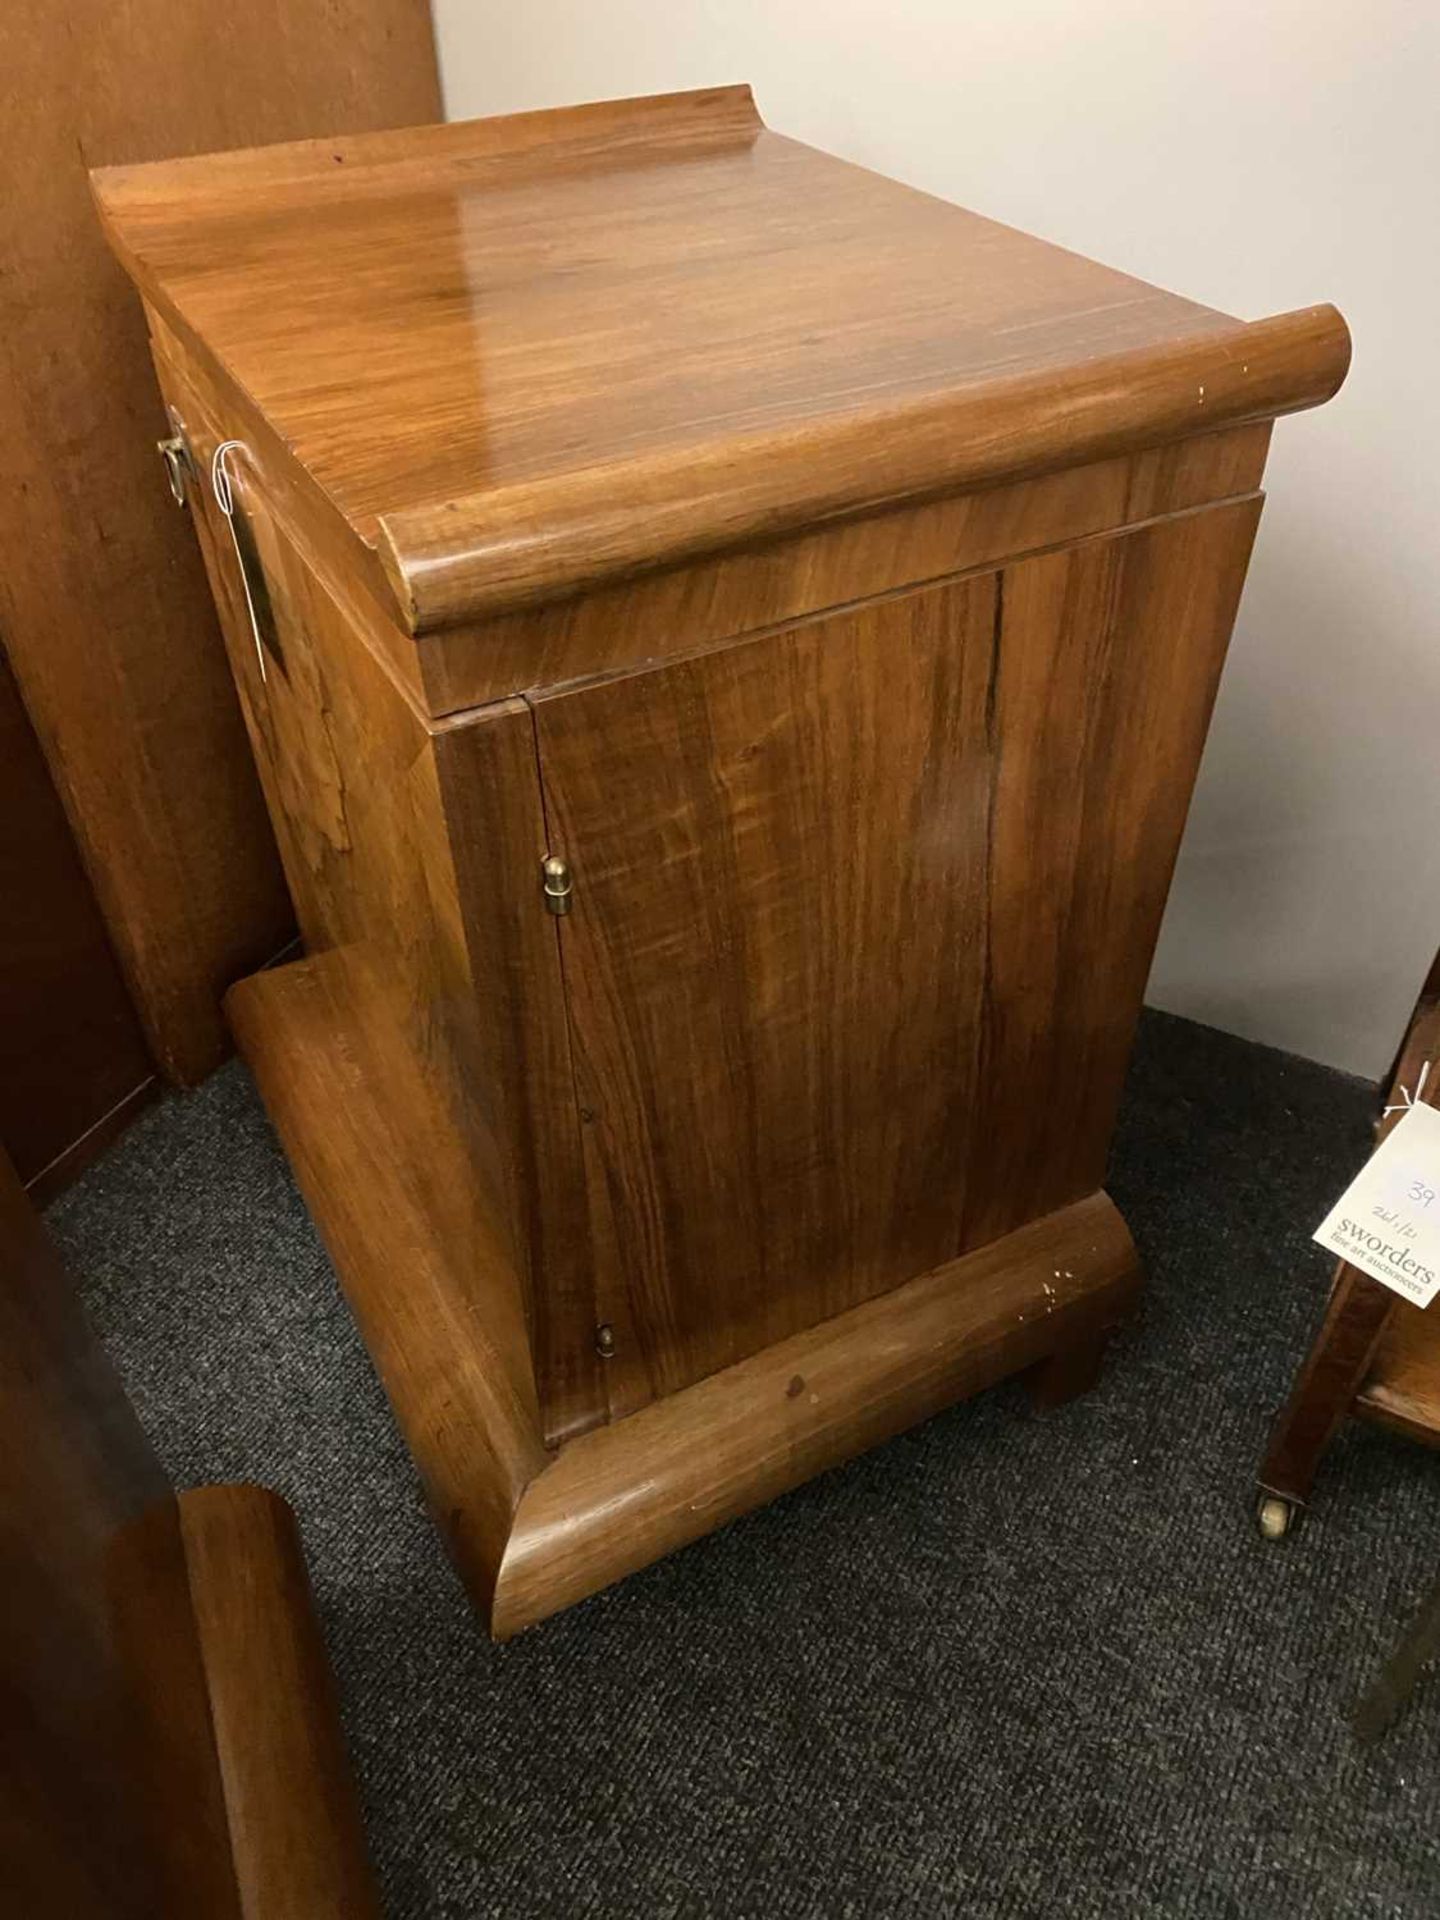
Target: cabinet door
{"points": [[862, 917]]}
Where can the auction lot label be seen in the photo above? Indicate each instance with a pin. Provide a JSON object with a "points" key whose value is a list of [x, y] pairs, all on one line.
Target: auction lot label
{"points": [[1387, 1221]]}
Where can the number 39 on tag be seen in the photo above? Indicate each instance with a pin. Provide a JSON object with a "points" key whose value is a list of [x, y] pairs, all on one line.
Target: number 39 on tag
{"points": [[1387, 1221]]}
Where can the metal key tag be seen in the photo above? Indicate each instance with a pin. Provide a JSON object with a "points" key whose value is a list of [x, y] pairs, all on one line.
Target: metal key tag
{"points": [[258, 603]]}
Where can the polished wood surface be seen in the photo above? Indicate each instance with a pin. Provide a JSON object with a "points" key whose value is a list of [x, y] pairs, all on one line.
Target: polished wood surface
{"points": [[602, 340], [446, 673], [675, 612], [534, 541], [1099, 717], [73, 1064], [835, 584], [103, 603], [1375, 1355], [395, 838], [532, 1532], [972, 793], [698, 1458], [294, 1821], [168, 1740], [419, 828], [391, 872]]}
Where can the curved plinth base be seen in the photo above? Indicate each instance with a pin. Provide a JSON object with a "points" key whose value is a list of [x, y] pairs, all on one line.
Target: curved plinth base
{"points": [[533, 1531], [623, 1495]]}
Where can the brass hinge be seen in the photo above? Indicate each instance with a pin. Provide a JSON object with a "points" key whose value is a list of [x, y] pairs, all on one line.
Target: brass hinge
{"points": [[555, 876]]}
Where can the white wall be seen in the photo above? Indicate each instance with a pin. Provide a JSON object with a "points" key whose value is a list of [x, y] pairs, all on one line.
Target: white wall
{"points": [[1257, 155]]}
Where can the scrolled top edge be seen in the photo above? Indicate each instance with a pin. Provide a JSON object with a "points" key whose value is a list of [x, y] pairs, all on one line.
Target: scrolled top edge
{"points": [[393, 156], [492, 552]]}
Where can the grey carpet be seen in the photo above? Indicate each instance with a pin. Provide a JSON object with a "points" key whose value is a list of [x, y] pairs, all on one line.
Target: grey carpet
{"points": [[1001, 1667]]}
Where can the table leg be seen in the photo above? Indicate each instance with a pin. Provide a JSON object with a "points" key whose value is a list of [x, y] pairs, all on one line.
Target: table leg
{"points": [[1334, 1372]]}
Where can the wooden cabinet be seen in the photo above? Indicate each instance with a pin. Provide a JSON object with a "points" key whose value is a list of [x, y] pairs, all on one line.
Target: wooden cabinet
{"points": [[728, 645], [106, 620], [172, 1738]]}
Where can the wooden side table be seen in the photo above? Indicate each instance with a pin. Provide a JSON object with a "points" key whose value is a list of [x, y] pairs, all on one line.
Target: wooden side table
{"points": [[727, 641], [1376, 1356]]}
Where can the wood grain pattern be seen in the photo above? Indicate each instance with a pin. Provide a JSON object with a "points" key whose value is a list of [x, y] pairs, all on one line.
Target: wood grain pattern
{"points": [[625, 1494], [71, 1051], [446, 672], [537, 540], [971, 794], [103, 603], [755, 834], [201, 399], [838, 583], [497, 836], [659, 333], [1110, 658], [532, 1532], [400, 839], [645, 620]]}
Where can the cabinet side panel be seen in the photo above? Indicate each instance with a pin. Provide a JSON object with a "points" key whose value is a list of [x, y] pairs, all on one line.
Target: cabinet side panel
{"points": [[351, 780]]}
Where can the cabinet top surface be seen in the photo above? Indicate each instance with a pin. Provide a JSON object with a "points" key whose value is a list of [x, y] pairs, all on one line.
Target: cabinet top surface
{"points": [[494, 318]]}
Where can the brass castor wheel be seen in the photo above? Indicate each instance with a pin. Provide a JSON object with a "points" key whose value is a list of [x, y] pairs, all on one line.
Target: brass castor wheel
{"points": [[1275, 1516]]}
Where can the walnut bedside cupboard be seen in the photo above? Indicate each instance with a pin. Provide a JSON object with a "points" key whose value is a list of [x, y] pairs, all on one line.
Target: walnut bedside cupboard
{"points": [[727, 642]]}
